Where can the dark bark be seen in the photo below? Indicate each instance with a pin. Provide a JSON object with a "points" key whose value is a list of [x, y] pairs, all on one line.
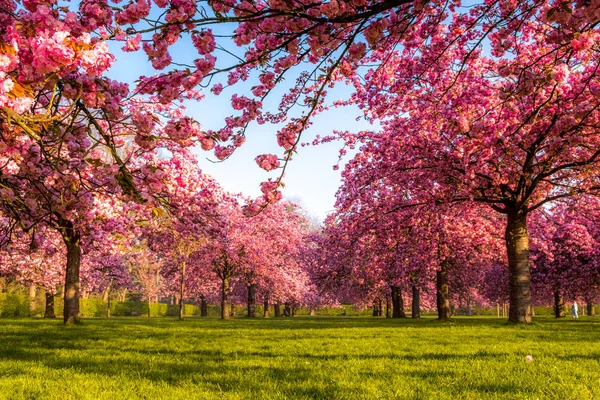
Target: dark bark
{"points": [[590, 309], [225, 298], [519, 282], [231, 310], [416, 302], [559, 305], [266, 307], [251, 300], [397, 303], [203, 307], [443, 295], [71, 299], [182, 291], [469, 311], [401, 304], [49, 306], [293, 310], [395, 306], [387, 306], [376, 308], [287, 309], [277, 309]]}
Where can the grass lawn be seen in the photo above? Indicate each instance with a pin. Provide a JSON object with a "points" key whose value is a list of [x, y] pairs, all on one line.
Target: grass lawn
{"points": [[300, 358]]}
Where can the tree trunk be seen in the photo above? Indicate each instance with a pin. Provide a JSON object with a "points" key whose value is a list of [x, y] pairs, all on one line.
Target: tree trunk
{"points": [[277, 309], [225, 307], [293, 310], [32, 293], [106, 298], [49, 306], [401, 304], [203, 307], [376, 309], [519, 282], [251, 300], [71, 306], [182, 291], [395, 304], [149, 306], [559, 305], [416, 302], [231, 310], [387, 306], [266, 307], [443, 296], [108, 307], [590, 309], [469, 310], [287, 310]]}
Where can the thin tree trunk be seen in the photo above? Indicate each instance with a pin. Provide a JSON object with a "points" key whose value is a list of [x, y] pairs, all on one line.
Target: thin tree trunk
{"points": [[287, 310], [376, 309], [401, 304], [387, 306], [231, 310], [149, 306], [108, 307], [203, 307], [469, 311], [251, 300], [443, 296], [225, 298], [293, 309], [106, 298], [71, 300], [416, 302], [395, 304], [590, 309], [559, 305], [266, 307], [32, 293], [49, 306], [182, 291], [519, 283], [277, 309]]}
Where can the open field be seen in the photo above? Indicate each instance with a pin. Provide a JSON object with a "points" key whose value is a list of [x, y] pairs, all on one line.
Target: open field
{"points": [[299, 358]]}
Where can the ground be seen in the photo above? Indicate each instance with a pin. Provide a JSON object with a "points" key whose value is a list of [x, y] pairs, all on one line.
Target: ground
{"points": [[300, 358]]}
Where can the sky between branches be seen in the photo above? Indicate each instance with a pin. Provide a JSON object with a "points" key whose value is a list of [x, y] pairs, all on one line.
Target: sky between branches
{"points": [[310, 178]]}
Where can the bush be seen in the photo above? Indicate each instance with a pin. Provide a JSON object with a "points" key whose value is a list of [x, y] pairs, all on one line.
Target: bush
{"points": [[13, 305], [91, 307]]}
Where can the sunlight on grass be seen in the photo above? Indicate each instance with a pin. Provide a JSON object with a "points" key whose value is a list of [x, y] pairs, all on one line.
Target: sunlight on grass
{"points": [[300, 358]]}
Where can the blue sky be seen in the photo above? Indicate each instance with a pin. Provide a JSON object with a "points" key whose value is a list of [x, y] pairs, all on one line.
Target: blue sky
{"points": [[310, 177]]}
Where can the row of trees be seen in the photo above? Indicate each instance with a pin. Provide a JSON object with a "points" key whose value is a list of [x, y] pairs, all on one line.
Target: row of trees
{"points": [[200, 248], [493, 103], [449, 257]]}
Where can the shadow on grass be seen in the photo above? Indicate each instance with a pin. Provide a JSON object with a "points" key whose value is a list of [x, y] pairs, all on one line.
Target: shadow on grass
{"points": [[160, 350]]}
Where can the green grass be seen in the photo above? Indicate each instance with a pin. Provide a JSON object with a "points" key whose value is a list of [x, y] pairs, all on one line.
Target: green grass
{"points": [[299, 358]]}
